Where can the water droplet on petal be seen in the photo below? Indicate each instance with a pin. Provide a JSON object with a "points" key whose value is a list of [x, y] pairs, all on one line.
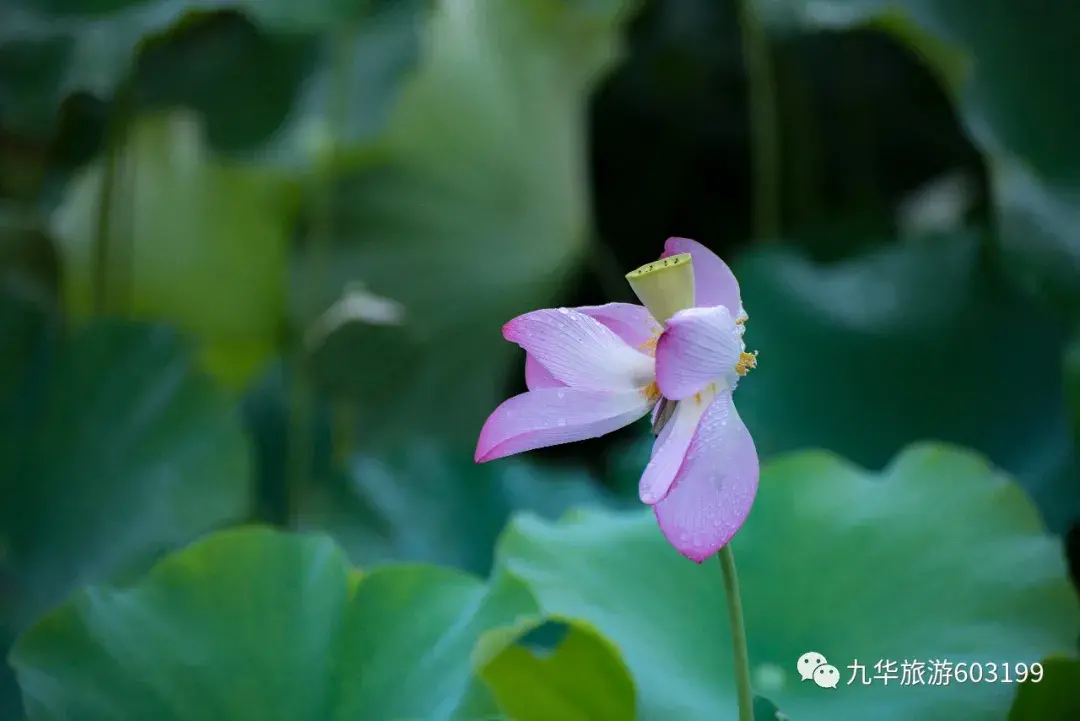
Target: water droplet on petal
{"points": [[564, 311], [562, 421], [561, 394]]}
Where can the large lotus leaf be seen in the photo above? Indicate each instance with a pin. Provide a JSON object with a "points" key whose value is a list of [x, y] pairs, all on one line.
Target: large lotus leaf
{"points": [[257, 624], [938, 558], [113, 448], [195, 241], [116, 448], [244, 74], [1011, 66], [476, 206], [913, 340]]}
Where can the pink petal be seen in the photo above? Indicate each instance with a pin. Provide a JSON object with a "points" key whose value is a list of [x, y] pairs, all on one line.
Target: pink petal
{"points": [[670, 449], [699, 346], [632, 323], [537, 376], [551, 416], [715, 487], [714, 283], [580, 351]]}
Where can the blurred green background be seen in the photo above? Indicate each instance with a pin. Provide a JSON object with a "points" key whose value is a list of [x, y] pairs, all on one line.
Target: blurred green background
{"points": [[254, 261]]}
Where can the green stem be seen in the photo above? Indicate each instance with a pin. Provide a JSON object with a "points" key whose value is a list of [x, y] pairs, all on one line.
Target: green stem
{"points": [[803, 151], [321, 189], [765, 146], [738, 634], [764, 123], [859, 147], [115, 135], [323, 181], [301, 443], [343, 431], [102, 230]]}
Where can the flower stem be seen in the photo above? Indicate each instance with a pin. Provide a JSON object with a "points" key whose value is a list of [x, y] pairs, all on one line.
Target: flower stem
{"points": [[104, 230], [764, 123], [738, 634], [321, 198]]}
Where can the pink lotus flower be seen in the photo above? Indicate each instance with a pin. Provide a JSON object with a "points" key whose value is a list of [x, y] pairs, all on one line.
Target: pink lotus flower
{"points": [[595, 369]]}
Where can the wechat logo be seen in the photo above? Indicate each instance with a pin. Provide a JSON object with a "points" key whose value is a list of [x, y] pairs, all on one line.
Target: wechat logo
{"points": [[812, 666]]}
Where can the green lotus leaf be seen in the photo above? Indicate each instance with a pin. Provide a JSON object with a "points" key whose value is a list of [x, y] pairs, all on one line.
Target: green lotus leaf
{"points": [[257, 624], [938, 558], [582, 679]]}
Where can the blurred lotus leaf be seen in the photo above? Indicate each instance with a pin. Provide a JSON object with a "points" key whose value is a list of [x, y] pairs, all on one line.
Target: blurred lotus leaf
{"points": [[765, 710], [261, 625], [1056, 697], [23, 332], [242, 63], [915, 564], [29, 264], [1072, 382], [360, 325], [1039, 221], [914, 340], [192, 240], [29, 279], [113, 449], [421, 499], [475, 208], [1016, 77], [424, 502], [1012, 68]]}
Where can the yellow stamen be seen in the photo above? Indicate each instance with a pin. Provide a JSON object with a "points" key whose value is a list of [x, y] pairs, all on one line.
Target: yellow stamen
{"points": [[651, 392], [746, 362], [649, 346]]}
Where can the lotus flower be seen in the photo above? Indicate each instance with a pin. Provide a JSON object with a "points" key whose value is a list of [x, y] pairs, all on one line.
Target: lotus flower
{"points": [[595, 369]]}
